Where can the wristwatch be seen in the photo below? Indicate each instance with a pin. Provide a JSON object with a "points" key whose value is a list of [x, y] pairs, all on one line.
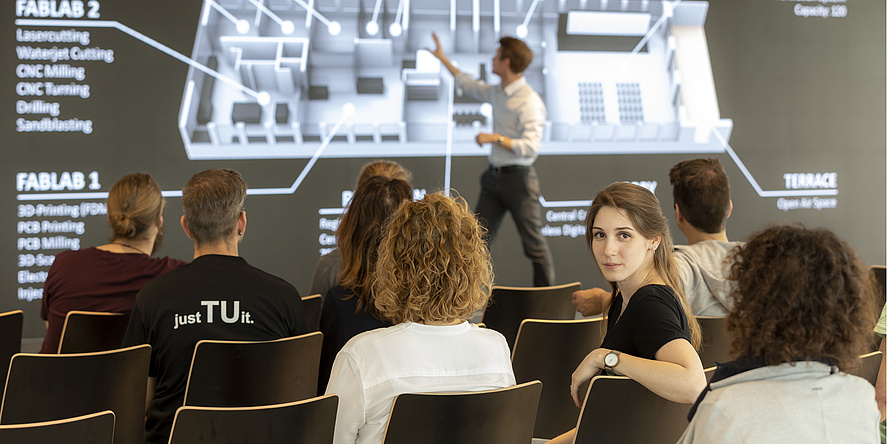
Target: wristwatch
{"points": [[501, 140], [611, 360]]}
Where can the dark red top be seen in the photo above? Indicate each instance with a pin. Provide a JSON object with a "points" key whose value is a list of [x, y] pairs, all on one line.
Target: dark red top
{"points": [[95, 280]]}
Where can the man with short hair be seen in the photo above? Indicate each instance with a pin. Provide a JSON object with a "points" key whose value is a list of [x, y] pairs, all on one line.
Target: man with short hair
{"points": [[217, 296], [702, 199], [510, 182]]}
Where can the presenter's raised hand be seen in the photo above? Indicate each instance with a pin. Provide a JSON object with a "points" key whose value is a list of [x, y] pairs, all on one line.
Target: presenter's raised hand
{"points": [[438, 52]]}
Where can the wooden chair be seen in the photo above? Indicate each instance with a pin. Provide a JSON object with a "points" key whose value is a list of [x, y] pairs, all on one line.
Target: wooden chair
{"points": [[10, 337], [247, 373], [878, 281], [501, 416], [510, 305], [92, 331], [311, 306], [549, 351], [716, 344], [95, 428], [52, 387], [310, 421], [869, 366], [618, 409]]}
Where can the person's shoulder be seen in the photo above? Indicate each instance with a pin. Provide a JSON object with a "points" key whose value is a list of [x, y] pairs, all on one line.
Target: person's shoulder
{"points": [[655, 295]]}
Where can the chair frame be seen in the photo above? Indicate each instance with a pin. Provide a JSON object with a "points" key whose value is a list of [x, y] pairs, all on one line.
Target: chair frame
{"points": [[307, 300], [319, 399], [60, 422], [512, 336], [537, 385], [87, 314], [312, 386], [553, 410]]}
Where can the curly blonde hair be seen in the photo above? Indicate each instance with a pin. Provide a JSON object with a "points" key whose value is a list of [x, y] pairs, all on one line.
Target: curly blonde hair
{"points": [[433, 263]]}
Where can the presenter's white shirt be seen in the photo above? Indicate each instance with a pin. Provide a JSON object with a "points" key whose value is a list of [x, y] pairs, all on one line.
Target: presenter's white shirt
{"points": [[375, 366]]}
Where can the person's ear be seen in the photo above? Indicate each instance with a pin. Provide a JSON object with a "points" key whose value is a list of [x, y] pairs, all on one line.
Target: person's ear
{"points": [[185, 227], [655, 243], [678, 216], [242, 223], [730, 209]]}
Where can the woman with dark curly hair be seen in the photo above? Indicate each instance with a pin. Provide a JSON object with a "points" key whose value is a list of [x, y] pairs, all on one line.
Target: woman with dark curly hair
{"points": [[802, 316], [433, 272]]}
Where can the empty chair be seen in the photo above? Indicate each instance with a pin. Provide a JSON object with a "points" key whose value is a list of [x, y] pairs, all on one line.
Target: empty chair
{"points": [[549, 351], [501, 416], [10, 337], [311, 306], [869, 366], [91, 331], [618, 409], [310, 421], [245, 373], [716, 344], [95, 428], [510, 305], [50, 387]]}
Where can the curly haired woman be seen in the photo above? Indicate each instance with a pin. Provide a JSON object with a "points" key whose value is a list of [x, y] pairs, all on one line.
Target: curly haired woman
{"points": [[802, 316], [433, 271]]}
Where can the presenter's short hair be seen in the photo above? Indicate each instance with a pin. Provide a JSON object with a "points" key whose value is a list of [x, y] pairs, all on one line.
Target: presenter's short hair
{"points": [[212, 201], [433, 263], [517, 52], [701, 189]]}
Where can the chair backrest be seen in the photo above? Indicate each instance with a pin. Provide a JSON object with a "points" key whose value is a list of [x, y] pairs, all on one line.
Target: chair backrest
{"points": [[549, 351], [252, 373], [869, 366], [501, 416], [716, 344], [51, 387], [618, 409], [10, 338], [92, 331], [311, 306], [308, 421], [510, 305], [95, 428]]}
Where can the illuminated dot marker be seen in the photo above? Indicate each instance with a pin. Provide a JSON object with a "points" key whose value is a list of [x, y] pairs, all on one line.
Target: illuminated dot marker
{"points": [[287, 27], [521, 31], [243, 26], [372, 28], [334, 28], [264, 98], [395, 29], [348, 109]]}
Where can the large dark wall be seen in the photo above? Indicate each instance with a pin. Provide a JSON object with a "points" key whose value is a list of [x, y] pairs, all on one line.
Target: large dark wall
{"points": [[806, 94]]}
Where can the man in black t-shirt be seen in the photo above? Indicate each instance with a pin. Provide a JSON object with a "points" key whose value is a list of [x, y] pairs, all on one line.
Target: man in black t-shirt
{"points": [[217, 296]]}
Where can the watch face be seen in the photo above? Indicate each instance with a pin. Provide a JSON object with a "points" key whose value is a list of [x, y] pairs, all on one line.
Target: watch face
{"points": [[611, 360]]}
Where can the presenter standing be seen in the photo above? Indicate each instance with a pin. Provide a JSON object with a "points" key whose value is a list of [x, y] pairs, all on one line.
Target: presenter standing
{"points": [[510, 183]]}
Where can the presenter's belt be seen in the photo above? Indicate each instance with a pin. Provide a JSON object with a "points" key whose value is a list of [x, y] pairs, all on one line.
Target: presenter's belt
{"points": [[508, 169]]}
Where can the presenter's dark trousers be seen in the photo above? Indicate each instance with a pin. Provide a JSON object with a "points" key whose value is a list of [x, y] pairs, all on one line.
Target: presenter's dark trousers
{"points": [[516, 189]]}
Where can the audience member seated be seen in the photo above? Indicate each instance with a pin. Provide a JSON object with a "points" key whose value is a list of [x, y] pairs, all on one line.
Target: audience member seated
{"points": [[433, 272], [651, 334], [702, 200], [801, 318], [326, 274], [106, 278], [217, 296], [348, 308]]}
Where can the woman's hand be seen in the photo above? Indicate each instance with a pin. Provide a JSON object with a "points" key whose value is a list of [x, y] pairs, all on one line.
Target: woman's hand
{"points": [[591, 365]]}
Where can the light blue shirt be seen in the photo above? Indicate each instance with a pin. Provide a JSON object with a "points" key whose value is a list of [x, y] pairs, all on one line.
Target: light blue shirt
{"points": [[518, 113]]}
